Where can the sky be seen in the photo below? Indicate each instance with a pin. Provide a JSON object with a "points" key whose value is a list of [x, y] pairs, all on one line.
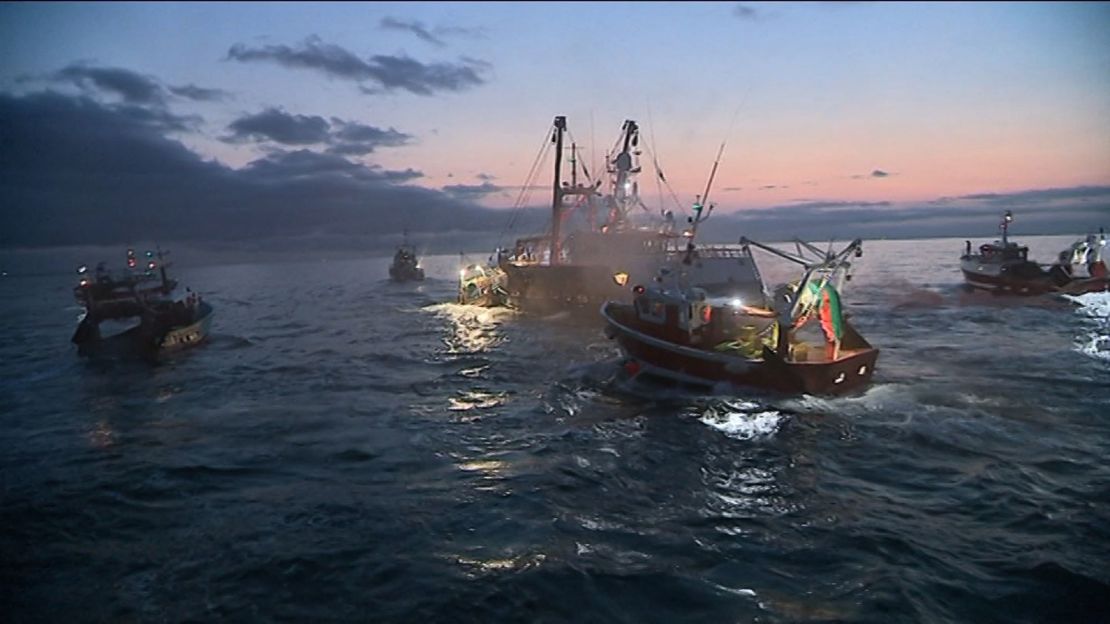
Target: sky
{"points": [[323, 125]]}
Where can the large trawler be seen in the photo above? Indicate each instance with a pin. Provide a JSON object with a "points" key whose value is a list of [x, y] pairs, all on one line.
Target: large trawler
{"points": [[579, 270]]}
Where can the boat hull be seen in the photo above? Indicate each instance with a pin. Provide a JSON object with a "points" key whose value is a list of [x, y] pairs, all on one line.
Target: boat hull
{"points": [[1000, 279], [404, 274], [849, 372], [139, 340], [547, 288]]}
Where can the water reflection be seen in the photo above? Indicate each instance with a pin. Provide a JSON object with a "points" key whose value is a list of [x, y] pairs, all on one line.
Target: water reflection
{"points": [[490, 474], [475, 400], [102, 436], [473, 329]]}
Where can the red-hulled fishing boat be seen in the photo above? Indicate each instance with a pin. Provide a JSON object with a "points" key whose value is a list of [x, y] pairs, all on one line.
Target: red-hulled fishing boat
{"points": [[1004, 267], [680, 333]]}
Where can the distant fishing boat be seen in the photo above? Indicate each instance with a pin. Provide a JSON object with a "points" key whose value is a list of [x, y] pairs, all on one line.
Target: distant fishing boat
{"points": [[554, 272], [405, 266], [143, 294], [1004, 267], [678, 332]]}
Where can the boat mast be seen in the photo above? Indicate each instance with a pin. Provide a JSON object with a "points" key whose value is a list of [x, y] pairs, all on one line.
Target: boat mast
{"points": [[623, 166], [557, 191], [1006, 219]]}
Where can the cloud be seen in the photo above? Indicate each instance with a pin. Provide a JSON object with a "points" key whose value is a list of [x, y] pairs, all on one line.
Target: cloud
{"points": [[1074, 210], [343, 137], [130, 86], [433, 36], [200, 94], [358, 139], [382, 72], [276, 125], [877, 173], [415, 28], [471, 191], [77, 171], [1083, 194], [746, 12]]}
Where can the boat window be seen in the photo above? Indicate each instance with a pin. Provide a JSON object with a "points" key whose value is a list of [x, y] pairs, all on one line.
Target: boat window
{"points": [[653, 311]]}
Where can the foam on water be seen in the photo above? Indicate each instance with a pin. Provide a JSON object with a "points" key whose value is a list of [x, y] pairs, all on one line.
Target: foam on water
{"points": [[1094, 309], [742, 420], [479, 314]]}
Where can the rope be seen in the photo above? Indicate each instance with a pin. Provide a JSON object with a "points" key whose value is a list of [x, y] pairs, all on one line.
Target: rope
{"points": [[525, 190]]}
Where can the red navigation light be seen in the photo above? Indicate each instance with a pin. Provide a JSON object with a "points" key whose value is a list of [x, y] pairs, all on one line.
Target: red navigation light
{"points": [[131, 263], [151, 264], [638, 289]]}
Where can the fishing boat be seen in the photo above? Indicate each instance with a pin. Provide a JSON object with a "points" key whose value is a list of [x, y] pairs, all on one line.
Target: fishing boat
{"points": [[483, 285], [405, 266], [141, 296], [1004, 267], [596, 261], [677, 332]]}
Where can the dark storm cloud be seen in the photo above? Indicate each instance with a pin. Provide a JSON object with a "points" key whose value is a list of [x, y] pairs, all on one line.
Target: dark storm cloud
{"points": [[77, 171], [414, 27], [132, 87], [383, 72], [276, 125]]}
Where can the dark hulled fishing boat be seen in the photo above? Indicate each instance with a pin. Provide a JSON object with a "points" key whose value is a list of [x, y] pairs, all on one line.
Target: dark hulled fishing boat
{"points": [[405, 266], [138, 294], [592, 264], [679, 332], [1004, 267]]}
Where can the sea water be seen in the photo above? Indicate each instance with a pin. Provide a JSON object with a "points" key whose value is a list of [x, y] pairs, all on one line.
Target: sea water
{"points": [[346, 448]]}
